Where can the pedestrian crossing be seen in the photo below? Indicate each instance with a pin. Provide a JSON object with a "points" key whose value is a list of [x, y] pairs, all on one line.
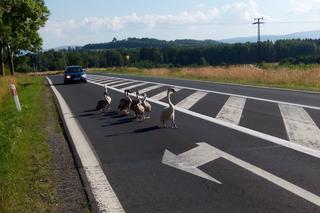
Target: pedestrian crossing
{"points": [[163, 94], [300, 127], [232, 110], [297, 124], [191, 100]]}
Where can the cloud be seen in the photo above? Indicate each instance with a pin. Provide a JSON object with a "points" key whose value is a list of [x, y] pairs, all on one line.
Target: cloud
{"points": [[241, 11], [305, 6], [94, 26], [99, 24]]}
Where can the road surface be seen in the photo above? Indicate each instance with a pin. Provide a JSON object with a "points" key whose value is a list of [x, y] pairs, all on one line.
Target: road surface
{"points": [[237, 149]]}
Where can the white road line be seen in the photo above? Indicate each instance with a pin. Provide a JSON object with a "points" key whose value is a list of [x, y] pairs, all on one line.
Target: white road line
{"points": [[103, 193], [263, 136], [229, 94], [232, 110], [267, 175], [150, 88], [192, 99], [122, 84], [162, 95], [134, 86], [300, 127]]}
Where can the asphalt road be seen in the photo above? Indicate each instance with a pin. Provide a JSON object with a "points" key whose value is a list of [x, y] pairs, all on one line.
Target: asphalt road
{"points": [[131, 152]]}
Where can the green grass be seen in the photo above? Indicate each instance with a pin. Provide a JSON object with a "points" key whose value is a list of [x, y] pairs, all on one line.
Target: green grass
{"points": [[26, 179]]}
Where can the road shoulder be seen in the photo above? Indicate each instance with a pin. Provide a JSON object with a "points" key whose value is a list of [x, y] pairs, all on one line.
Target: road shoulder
{"points": [[69, 189]]}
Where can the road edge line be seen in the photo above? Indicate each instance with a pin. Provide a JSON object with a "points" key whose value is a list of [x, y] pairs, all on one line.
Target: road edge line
{"points": [[104, 196]]}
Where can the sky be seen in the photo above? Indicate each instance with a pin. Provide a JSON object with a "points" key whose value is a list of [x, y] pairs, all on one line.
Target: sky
{"points": [[80, 22]]}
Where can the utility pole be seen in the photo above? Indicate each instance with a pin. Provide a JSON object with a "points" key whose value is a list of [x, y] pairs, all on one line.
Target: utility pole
{"points": [[258, 22]]}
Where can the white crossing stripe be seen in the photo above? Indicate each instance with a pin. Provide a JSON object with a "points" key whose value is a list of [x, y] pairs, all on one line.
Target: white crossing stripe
{"points": [[232, 110], [300, 127], [116, 82], [150, 88], [189, 101], [163, 94], [104, 80], [136, 85], [107, 81], [122, 84], [94, 77]]}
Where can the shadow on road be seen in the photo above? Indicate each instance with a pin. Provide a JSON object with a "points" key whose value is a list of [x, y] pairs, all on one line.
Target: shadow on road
{"points": [[148, 129], [137, 131]]}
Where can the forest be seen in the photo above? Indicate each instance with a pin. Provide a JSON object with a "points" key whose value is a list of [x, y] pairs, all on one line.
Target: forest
{"points": [[173, 54]]}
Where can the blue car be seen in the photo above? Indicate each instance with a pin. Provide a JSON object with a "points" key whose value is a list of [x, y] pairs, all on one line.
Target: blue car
{"points": [[74, 74]]}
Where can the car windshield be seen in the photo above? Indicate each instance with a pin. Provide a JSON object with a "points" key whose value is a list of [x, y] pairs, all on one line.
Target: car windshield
{"points": [[73, 69]]}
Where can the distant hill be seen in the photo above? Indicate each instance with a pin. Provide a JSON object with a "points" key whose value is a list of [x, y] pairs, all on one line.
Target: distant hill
{"points": [[148, 42], [298, 35], [66, 47]]}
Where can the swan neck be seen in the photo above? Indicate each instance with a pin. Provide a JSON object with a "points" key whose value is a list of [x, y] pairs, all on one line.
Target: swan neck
{"points": [[169, 99]]}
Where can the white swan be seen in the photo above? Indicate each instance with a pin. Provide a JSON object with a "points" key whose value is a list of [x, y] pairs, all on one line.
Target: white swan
{"points": [[168, 113], [107, 97], [146, 105], [104, 104], [125, 103]]}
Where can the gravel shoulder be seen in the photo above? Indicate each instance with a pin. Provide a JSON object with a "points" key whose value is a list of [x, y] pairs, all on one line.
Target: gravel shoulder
{"points": [[68, 187]]}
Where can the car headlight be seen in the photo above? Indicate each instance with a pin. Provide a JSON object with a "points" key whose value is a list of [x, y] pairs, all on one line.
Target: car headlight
{"points": [[83, 75], [68, 76]]}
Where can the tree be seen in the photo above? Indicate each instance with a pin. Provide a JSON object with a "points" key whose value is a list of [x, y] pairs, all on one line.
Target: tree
{"points": [[22, 19]]}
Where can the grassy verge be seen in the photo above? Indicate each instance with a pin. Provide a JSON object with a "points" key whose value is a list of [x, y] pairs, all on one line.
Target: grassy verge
{"points": [[26, 183], [302, 78]]}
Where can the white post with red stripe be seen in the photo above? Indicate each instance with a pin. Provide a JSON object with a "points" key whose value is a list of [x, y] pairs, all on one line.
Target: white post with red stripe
{"points": [[15, 97]]}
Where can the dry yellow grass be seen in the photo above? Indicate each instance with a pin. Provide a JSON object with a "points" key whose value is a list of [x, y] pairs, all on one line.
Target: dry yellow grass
{"points": [[308, 79], [245, 74], [5, 86]]}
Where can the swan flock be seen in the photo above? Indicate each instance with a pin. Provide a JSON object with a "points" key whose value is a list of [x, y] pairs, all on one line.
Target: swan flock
{"points": [[139, 106]]}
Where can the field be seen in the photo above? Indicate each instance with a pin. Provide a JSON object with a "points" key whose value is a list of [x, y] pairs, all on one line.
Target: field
{"points": [[295, 77]]}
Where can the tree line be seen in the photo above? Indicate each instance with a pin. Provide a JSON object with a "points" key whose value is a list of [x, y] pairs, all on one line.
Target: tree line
{"points": [[20, 21], [130, 43], [283, 51]]}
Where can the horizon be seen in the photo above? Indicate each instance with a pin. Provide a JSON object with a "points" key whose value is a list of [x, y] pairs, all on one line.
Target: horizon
{"points": [[85, 23]]}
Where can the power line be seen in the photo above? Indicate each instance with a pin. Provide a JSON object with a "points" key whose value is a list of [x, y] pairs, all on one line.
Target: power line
{"points": [[258, 22]]}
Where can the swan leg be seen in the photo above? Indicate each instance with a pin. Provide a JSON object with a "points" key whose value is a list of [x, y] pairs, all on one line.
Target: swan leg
{"points": [[148, 115], [174, 125], [164, 124]]}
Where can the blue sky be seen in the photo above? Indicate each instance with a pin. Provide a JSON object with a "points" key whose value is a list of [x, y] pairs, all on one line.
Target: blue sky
{"points": [[79, 22]]}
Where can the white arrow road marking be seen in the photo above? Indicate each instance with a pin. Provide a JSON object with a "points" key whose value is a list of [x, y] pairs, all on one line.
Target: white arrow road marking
{"points": [[300, 127], [189, 163], [190, 160], [192, 99], [232, 110]]}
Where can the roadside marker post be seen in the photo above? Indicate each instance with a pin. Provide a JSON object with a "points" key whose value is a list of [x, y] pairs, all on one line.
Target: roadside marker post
{"points": [[15, 97]]}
